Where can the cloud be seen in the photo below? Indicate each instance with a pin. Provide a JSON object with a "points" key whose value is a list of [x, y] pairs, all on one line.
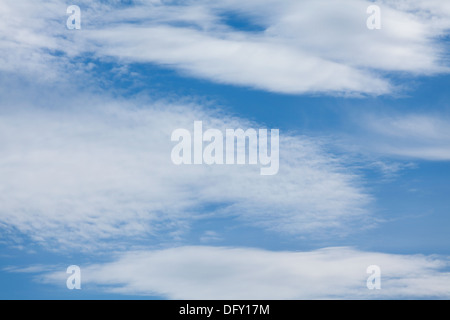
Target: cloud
{"points": [[295, 47], [259, 63], [31, 269], [232, 273], [81, 170], [415, 136], [210, 236]]}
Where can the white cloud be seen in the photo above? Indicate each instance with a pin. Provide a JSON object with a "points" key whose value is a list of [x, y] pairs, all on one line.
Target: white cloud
{"points": [[210, 236], [87, 169], [232, 273], [416, 136], [249, 61], [307, 46]]}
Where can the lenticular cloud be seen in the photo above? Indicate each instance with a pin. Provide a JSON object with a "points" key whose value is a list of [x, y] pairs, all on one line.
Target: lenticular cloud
{"points": [[230, 273]]}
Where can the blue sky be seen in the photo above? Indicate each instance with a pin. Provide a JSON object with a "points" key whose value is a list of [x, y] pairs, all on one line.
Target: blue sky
{"points": [[86, 176]]}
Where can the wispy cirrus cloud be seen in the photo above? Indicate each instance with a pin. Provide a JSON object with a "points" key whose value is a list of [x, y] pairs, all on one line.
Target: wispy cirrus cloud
{"points": [[85, 171], [411, 136], [244, 273]]}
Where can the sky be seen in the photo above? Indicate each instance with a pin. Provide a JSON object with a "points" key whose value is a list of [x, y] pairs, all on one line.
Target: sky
{"points": [[87, 179]]}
